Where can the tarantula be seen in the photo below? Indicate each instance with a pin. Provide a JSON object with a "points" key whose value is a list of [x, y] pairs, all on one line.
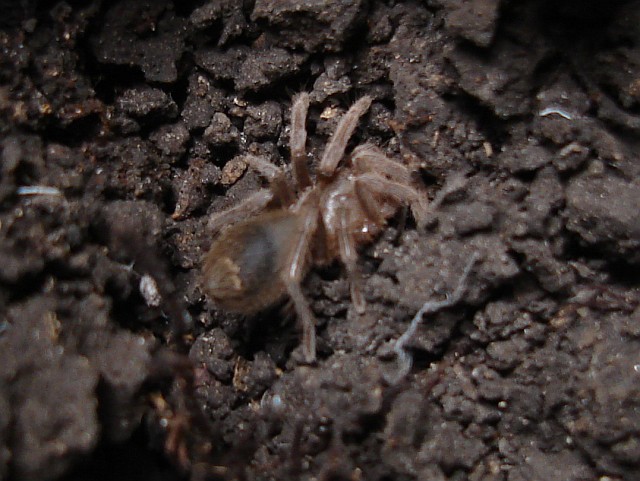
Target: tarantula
{"points": [[271, 240]]}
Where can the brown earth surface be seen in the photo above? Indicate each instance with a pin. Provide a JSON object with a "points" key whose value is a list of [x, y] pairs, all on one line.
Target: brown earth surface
{"points": [[123, 126]]}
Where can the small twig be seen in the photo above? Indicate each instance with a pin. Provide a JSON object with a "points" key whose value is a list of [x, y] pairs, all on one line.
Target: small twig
{"points": [[38, 190], [405, 360], [552, 109]]}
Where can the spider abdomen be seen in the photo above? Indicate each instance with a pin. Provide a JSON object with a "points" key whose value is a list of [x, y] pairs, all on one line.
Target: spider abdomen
{"points": [[242, 270]]}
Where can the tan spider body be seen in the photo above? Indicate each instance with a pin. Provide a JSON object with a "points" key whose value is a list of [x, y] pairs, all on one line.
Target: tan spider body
{"points": [[270, 241]]}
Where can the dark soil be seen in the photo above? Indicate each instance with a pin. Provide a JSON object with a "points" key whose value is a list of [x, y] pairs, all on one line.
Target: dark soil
{"points": [[123, 125]]}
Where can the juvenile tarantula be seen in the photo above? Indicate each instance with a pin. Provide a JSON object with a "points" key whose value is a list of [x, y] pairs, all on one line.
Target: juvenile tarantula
{"points": [[270, 240]]}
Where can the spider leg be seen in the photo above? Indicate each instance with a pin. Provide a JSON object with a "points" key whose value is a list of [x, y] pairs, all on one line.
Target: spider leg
{"points": [[293, 277], [380, 186], [298, 139], [275, 175], [369, 158], [349, 257], [263, 167], [253, 204], [369, 203], [338, 142]]}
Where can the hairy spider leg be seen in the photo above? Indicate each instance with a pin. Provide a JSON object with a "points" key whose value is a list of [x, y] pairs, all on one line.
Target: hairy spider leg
{"points": [[383, 187], [369, 204], [349, 257], [276, 177], [293, 277], [298, 140], [250, 206], [369, 158], [334, 151]]}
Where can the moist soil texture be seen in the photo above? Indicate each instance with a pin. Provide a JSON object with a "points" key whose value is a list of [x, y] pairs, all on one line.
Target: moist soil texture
{"points": [[124, 126]]}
